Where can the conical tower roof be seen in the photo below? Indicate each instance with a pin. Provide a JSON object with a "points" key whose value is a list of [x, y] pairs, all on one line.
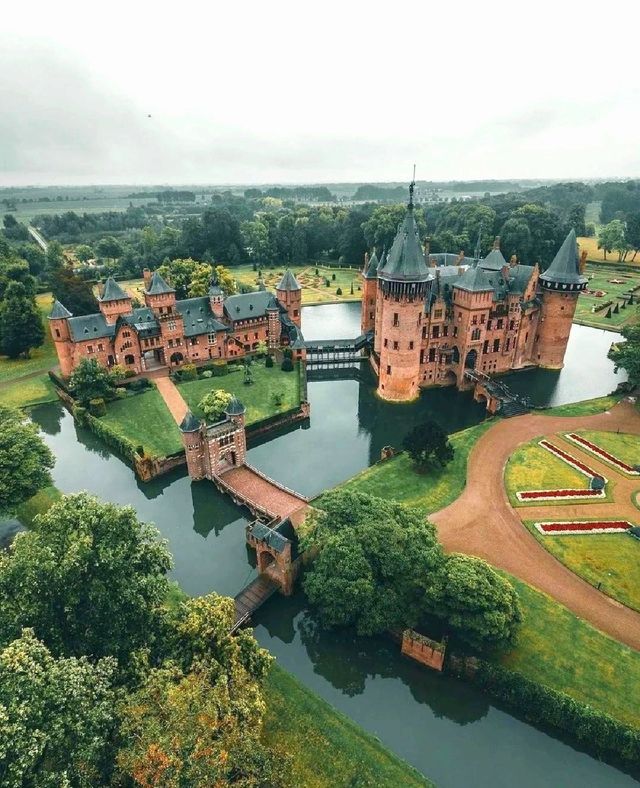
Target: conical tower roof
{"points": [[59, 312], [189, 423], [405, 261], [565, 267], [494, 261], [113, 291], [288, 282], [235, 407], [158, 285], [371, 271]]}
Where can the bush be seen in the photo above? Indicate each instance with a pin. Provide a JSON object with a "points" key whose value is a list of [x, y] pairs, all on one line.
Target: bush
{"points": [[121, 392], [129, 374], [339, 291], [97, 407], [277, 398], [268, 362], [208, 373], [119, 372], [333, 276], [140, 384], [287, 352], [287, 365], [189, 372], [220, 367]]}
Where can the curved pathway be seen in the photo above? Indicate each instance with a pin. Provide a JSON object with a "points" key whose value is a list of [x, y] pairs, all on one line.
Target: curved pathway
{"points": [[482, 522]]}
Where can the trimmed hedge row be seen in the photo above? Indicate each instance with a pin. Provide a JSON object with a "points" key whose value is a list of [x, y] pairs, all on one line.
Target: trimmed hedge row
{"points": [[538, 703], [100, 429]]}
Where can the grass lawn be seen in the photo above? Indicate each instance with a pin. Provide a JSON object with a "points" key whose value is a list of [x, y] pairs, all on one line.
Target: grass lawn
{"points": [[145, 420], [314, 289], [531, 467], [585, 408], [622, 445], [257, 398], [558, 649], [613, 282], [40, 502], [24, 392], [41, 359], [397, 478], [609, 560], [327, 748], [597, 255]]}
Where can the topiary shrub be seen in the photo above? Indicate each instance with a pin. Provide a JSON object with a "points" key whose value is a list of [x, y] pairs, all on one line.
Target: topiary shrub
{"points": [[287, 365], [268, 362], [121, 392], [97, 407], [207, 373], [333, 276], [189, 372], [597, 483], [339, 291]]}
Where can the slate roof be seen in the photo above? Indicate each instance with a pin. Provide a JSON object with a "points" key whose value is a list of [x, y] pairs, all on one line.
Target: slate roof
{"points": [[371, 271], [58, 311], [288, 282], [142, 320], [449, 259], [565, 268], [405, 261], [519, 277], [270, 537], [494, 261], [189, 423], [235, 407], [247, 305], [113, 291], [474, 280], [158, 285], [90, 327], [198, 317]]}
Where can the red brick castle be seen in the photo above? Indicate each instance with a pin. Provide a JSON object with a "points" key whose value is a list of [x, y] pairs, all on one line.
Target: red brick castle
{"points": [[435, 316], [170, 332]]}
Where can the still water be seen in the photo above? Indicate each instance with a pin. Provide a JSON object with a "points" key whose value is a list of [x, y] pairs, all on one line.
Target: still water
{"points": [[443, 727]]}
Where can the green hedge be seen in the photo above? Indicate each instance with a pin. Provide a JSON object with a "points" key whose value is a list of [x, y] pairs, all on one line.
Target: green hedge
{"points": [[100, 429], [538, 703]]}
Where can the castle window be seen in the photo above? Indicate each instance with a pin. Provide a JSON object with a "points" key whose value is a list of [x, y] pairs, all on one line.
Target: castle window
{"points": [[508, 345], [500, 322], [212, 338], [475, 334], [422, 356], [171, 325], [100, 346], [435, 333], [57, 332], [485, 347], [370, 315], [388, 369], [496, 345], [455, 331], [410, 345], [255, 336], [489, 324], [424, 332], [432, 354], [193, 341], [437, 314], [445, 331], [482, 318], [474, 320], [90, 349], [295, 313], [512, 325], [386, 342], [395, 345], [396, 319], [128, 359], [126, 333]]}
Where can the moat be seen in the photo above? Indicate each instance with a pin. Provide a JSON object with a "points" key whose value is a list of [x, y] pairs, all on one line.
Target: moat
{"points": [[445, 728]]}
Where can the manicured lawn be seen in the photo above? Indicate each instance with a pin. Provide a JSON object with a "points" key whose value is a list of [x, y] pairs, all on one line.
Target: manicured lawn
{"points": [[257, 398], [42, 358], [584, 408], [24, 392], [327, 748], [608, 561], [145, 420], [397, 478], [39, 504], [314, 289], [601, 278], [621, 445], [560, 650], [531, 467]]}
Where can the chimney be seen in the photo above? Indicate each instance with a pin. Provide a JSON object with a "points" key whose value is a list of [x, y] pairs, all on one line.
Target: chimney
{"points": [[146, 276], [513, 261], [583, 260], [505, 272], [496, 243], [460, 257]]}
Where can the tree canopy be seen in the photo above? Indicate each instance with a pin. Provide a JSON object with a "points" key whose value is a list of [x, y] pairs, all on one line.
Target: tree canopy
{"points": [[90, 380], [21, 327], [428, 445], [214, 404], [626, 355]]}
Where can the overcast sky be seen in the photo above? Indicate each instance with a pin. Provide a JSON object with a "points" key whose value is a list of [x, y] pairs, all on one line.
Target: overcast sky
{"points": [[244, 92]]}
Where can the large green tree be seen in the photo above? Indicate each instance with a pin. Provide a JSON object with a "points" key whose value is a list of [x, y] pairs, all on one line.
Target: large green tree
{"points": [[21, 327], [189, 277], [25, 460], [88, 577], [90, 380], [480, 606], [374, 557], [57, 717], [626, 355], [612, 236], [428, 445], [73, 291]]}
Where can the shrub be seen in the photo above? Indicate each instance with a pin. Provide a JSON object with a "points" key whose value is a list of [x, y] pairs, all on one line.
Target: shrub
{"points": [[189, 372], [287, 365], [277, 398], [97, 407], [121, 392], [207, 373], [333, 276], [214, 403], [339, 291], [268, 362], [119, 372], [220, 367], [129, 374]]}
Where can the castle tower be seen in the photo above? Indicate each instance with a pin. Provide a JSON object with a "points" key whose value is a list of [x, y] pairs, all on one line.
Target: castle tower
{"points": [[235, 412], [289, 293], [404, 283], [561, 284], [273, 324], [194, 444], [114, 301], [216, 299], [472, 301], [158, 295], [369, 293], [59, 328]]}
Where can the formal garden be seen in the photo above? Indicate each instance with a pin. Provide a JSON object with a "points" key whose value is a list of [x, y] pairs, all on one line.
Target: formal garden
{"points": [[611, 297]]}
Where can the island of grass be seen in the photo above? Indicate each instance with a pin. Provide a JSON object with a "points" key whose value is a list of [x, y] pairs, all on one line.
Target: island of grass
{"points": [[621, 445], [531, 467], [610, 562], [271, 392]]}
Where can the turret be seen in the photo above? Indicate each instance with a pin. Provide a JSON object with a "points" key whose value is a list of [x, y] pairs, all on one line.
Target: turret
{"points": [[59, 327], [114, 301], [561, 284], [158, 295], [369, 291], [273, 324], [216, 299], [194, 445], [289, 293], [235, 412]]}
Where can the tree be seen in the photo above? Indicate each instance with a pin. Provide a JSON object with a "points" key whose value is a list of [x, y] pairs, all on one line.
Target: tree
{"points": [[21, 327], [515, 238], [626, 355], [373, 558], [428, 445], [88, 577], [479, 605], [57, 717], [109, 247], [287, 364], [214, 404], [84, 253], [225, 280], [73, 291], [611, 237], [189, 277], [90, 380], [633, 233], [25, 460]]}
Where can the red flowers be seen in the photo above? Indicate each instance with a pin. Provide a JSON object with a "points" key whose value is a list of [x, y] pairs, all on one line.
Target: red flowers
{"points": [[569, 459], [605, 455], [583, 527]]}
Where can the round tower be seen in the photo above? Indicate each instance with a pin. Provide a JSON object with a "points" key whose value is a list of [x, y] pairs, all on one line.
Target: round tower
{"points": [[194, 446], [274, 328], [561, 284], [404, 285], [59, 327], [289, 293], [369, 292]]}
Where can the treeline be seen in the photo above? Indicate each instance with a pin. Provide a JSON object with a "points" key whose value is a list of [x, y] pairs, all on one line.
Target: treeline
{"points": [[308, 193], [73, 226]]}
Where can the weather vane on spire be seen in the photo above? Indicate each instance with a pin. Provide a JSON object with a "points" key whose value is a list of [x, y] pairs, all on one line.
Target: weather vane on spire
{"points": [[412, 186]]}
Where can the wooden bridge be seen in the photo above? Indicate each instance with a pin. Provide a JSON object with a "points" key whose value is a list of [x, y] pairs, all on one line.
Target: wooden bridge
{"points": [[263, 497], [251, 598]]}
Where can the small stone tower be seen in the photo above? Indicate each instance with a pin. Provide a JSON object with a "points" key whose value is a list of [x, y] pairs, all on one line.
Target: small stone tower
{"points": [[369, 293], [404, 284], [114, 301], [59, 326], [561, 284], [273, 324], [289, 293], [216, 299], [194, 446], [158, 295]]}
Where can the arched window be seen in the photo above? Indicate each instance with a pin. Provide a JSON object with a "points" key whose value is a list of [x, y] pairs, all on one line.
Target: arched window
{"points": [[129, 359], [470, 361]]}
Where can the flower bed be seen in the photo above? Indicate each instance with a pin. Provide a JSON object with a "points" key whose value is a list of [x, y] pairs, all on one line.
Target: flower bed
{"points": [[565, 494], [602, 454], [583, 527]]}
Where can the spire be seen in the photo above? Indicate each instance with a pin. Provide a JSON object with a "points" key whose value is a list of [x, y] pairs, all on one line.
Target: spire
{"points": [[371, 268], [288, 282], [59, 312], [412, 186], [158, 285], [565, 267], [235, 407], [189, 423], [112, 291]]}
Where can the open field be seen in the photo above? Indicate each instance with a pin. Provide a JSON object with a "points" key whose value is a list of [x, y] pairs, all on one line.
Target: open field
{"points": [[327, 748], [26, 211], [25, 392], [597, 255], [397, 478], [314, 289], [558, 649], [145, 420], [610, 562], [613, 282], [258, 398]]}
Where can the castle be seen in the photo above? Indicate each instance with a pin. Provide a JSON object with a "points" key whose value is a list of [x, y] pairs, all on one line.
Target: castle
{"points": [[170, 332], [435, 317]]}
